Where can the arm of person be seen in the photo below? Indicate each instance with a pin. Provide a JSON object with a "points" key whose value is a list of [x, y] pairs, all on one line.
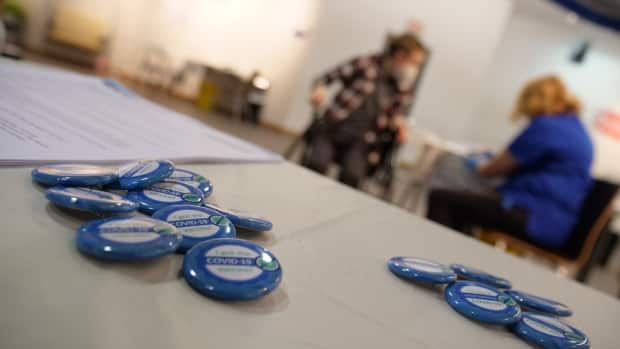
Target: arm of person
{"points": [[500, 165], [531, 146], [396, 115], [342, 71], [339, 73]]}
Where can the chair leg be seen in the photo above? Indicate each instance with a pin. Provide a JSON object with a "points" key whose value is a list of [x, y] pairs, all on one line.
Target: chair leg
{"points": [[288, 153], [584, 271], [608, 248], [388, 186], [595, 257], [411, 192]]}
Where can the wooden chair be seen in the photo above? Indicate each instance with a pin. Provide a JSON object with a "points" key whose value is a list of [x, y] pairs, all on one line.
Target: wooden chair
{"points": [[575, 255]]}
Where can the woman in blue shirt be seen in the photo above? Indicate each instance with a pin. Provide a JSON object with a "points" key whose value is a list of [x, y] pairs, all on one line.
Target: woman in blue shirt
{"points": [[546, 170]]}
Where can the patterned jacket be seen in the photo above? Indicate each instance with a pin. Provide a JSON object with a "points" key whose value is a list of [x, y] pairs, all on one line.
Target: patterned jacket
{"points": [[359, 79]]}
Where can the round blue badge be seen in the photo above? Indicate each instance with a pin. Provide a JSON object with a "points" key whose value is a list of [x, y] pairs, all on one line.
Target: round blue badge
{"points": [[480, 276], [539, 304], [142, 174], [87, 199], [165, 193], [418, 269], [128, 238], [196, 223], [193, 179], [482, 302], [242, 219], [73, 175], [549, 332], [231, 269]]}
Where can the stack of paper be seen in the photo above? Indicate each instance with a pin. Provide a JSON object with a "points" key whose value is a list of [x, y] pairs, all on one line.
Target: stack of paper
{"points": [[54, 116]]}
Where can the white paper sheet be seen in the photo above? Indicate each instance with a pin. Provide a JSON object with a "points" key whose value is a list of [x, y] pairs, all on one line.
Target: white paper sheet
{"points": [[54, 116]]}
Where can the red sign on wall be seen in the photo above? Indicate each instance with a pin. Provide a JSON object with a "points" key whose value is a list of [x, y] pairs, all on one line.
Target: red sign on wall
{"points": [[608, 122]]}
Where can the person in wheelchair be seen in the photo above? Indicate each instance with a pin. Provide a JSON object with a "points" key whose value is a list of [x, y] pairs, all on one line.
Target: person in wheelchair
{"points": [[368, 115]]}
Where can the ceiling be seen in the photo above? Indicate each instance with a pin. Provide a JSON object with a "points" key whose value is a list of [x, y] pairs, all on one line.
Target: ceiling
{"points": [[601, 12]]}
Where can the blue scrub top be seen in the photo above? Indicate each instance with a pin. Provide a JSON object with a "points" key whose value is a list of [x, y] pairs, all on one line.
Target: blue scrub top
{"points": [[554, 154]]}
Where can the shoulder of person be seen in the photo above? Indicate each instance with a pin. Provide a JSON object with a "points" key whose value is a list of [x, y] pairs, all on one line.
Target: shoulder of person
{"points": [[544, 122], [365, 61], [551, 121]]}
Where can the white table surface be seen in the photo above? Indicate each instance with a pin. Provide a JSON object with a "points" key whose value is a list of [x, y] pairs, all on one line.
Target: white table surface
{"points": [[336, 292]]}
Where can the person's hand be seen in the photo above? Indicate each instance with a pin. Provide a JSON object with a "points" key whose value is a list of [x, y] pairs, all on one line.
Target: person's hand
{"points": [[402, 134], [399, 124], [374, 157], [318, 96], [472, 163], [475, 160]]}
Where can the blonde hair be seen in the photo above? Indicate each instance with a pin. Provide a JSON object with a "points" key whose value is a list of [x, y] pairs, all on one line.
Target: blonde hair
{"points": [[545, 96]]}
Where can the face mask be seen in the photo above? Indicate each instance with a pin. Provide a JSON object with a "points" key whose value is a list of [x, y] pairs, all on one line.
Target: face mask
{"points": [[405, 75]]}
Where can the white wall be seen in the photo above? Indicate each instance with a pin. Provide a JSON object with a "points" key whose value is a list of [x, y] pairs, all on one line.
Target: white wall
{"points": [[463, 36], [236, 34], [534, 44]]}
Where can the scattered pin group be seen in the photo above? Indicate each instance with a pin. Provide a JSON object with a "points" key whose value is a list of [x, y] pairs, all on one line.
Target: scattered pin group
{"points": [[488, 298], [215, 263]]}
